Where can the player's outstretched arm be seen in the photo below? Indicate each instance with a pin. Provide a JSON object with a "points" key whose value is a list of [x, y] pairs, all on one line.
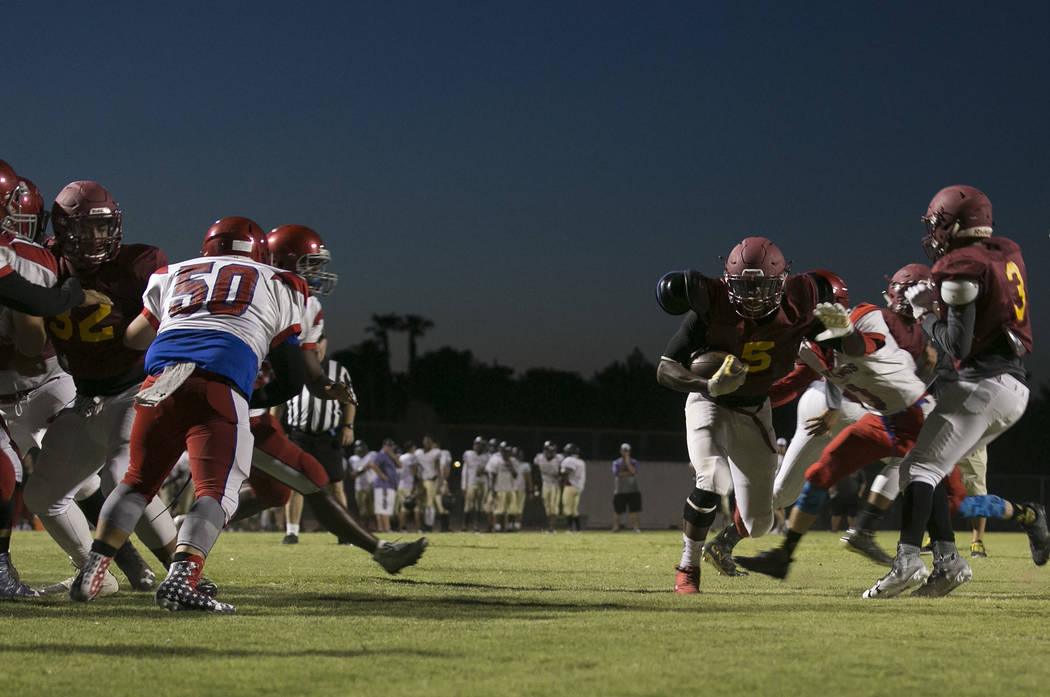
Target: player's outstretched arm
{"points": [[31, 299], [139, 334], [288, 372]]}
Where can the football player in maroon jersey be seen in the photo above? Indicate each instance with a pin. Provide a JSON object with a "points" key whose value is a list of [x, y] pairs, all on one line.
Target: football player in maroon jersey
{"points": [[758, 314], [94, 431], [985, 327]]}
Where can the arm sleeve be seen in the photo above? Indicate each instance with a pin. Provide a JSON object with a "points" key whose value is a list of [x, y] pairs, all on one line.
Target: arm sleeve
{"points": [[954, 335], [691, 335], [28, 298], [289, 374]]}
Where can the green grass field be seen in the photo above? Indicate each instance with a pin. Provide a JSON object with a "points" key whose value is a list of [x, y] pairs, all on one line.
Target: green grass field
{"points": [[534, 614]]}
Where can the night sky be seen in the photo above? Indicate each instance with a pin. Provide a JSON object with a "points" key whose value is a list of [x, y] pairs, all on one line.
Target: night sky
{"points": [[522, 173]]}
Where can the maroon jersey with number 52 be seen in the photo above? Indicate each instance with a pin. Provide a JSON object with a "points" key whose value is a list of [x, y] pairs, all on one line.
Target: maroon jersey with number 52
{"points": [[90, 340], [996, 265]]}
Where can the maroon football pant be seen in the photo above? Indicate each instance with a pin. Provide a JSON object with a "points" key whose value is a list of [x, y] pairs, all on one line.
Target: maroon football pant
{"points": [[271, 439]]}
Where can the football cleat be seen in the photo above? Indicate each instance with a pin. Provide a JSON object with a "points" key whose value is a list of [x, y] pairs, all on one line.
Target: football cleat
{"points": [[179, 590], [977, 550], [771, 562], [394, 556], [908, 571], [207, 587], [109, 586], [139, 573], [863, 542], [290, 539], [720, 556], [687, 580], [948, 574], [1034, 524], [11, 586], [88, 581]]}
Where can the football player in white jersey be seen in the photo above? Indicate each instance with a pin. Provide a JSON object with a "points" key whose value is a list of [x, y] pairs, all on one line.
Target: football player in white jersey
{"points": [[474, 483], [549, 463], [207, 323], [432, 473], [574, 471], [859, 356]]}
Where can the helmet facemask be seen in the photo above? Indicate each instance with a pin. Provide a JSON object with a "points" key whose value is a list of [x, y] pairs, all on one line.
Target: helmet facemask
{"points": [[20, 218], [312, 268], [753, 294], [89, 240]]}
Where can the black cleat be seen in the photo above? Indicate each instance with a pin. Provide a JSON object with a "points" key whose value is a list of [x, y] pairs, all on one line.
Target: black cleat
{"points": [[290, 539], [394, 556], [771, 562], [1038, 538], [863, 542]]}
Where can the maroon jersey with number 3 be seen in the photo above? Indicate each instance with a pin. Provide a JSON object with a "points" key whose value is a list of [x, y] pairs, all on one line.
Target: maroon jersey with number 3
{"points": [[90, 340], [1002, 304]]}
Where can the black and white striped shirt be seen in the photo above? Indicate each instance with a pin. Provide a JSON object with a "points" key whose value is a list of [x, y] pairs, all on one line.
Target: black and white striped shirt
{"points": [[313, 414]]}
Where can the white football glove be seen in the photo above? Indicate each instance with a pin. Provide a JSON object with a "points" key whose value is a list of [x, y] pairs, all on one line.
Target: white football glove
{"points": [[728, 378], [835, 319], [922, 296]]}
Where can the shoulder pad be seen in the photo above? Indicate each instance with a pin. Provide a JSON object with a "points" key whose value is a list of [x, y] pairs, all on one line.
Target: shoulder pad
{"points": [[294, 281], [959, 291]]}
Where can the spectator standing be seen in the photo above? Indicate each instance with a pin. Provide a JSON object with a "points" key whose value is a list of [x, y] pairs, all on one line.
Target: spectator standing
{"points": [[627, 498], [384, 464]]}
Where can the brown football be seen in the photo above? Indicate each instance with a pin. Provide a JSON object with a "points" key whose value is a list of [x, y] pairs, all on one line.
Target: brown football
{"points": [[705, 364]]}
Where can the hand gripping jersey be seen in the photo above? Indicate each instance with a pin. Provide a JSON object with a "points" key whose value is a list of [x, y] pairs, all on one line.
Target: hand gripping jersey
{"points": [[883, 379], [996, 265], [36, 265], [222, 313], [768, 346], [89, 340]]}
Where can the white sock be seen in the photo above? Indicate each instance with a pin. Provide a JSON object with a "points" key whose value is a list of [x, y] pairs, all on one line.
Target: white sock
{"points": [[292, 528], [428, 517], [690, 551]]}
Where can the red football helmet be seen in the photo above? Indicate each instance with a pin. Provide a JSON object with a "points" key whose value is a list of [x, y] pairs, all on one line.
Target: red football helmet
{"points": [[905, 277], [87, 224], [956, 213], [300, 249], [831, 288], [21, 206], [755, 273], [237, 236]]}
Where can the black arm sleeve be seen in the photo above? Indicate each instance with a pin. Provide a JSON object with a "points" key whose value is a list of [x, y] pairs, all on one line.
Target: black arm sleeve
{"points": [[956, 334], [690, 337], [29, 298], [289, 374]]}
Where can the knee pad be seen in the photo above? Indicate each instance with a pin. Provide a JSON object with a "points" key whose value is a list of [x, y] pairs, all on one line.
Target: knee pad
{"points": [[701, 507], [812, 499], [982, 507]]}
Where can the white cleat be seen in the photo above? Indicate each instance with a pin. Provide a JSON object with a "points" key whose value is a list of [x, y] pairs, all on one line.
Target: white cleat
{"points": [[908, 571]]}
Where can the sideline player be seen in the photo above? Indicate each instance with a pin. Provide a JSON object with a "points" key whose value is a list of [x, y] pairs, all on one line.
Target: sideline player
{"points": [[986, 329], [474, 484], [549, 463], [574, 474], [758, 314]]}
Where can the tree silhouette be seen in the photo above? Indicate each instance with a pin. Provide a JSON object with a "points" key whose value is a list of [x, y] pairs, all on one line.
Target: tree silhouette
{"points": [[380, 328], [415, 326]]}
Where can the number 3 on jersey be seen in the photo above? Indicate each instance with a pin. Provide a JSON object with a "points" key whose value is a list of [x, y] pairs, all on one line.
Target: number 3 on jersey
{"points": [[756, 355], [1014, 274], [229, 292]]}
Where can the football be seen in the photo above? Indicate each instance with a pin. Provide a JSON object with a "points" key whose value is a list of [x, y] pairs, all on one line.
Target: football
{"points": [[705, 364]]}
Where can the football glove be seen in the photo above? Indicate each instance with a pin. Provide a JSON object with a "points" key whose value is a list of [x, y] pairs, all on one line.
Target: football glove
{"points": [[835, 319], [728, 378], [922, 296]]}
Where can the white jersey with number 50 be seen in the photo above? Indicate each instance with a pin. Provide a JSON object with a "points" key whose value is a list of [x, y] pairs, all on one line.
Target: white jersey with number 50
{"points": [[223, 313]]}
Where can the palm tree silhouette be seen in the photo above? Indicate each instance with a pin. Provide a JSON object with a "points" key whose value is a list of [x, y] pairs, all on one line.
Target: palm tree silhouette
{"points": [[415, 326]]}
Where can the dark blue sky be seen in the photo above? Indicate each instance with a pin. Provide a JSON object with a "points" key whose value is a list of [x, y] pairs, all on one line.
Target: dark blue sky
{"points": [[522, 174]]}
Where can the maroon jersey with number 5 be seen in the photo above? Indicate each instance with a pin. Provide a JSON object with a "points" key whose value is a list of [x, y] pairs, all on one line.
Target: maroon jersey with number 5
{"points": [[996, 265], [769, 346], [90, 340]]}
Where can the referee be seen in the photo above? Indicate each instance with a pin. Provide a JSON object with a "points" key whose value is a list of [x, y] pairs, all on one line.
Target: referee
{"points": [[321, 427]]}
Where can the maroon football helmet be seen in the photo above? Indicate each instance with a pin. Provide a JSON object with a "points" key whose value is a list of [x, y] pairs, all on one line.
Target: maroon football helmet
{"points": [[87, 224], [755, 273], [22, 213], [956, 216], [237, 236], [831, 287], [905, 277], [8, 182], [301, 250]]}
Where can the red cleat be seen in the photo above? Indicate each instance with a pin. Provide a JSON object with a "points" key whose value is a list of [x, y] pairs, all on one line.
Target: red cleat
{"points": [[687, 580]]}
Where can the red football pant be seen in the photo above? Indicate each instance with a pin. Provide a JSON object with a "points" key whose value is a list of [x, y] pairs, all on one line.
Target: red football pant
{"points": [[858, 445], [271, 439], [204, 417]]}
